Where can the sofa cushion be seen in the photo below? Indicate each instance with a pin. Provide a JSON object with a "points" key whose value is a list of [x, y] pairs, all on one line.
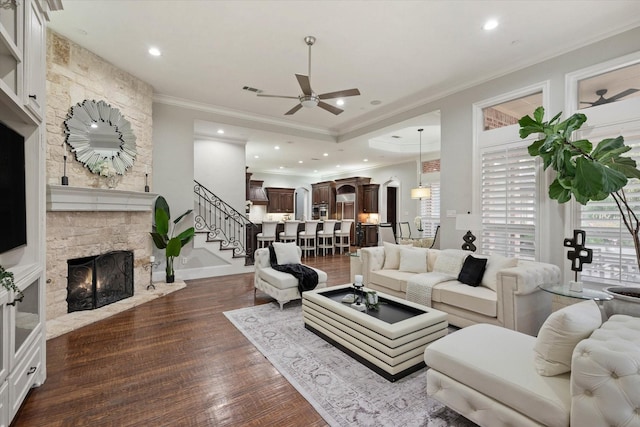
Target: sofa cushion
{"points": [[286, 253], [392, 255], [560, 334], [413, 260], [494, 264], [477, 299], [501, 371], [281, 280], [392, 279], [449, 261], [472, 270]]}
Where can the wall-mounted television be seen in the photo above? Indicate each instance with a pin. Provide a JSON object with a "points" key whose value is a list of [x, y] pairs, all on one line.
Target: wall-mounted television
{"points": [[13, 206]]}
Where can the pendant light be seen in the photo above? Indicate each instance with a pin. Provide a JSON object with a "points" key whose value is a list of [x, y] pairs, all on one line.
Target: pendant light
{"points": [[420, 192]]}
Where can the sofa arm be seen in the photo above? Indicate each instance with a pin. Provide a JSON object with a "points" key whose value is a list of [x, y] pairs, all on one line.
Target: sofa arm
{"points": [[526, 277], [605, 375], [372, 260]]}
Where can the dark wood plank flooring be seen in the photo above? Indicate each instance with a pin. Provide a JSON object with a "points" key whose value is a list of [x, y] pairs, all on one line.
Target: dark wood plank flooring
{"points": [[174, 361]]}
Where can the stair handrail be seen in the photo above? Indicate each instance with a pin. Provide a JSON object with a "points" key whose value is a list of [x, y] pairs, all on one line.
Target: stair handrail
{"points": [[222, 222]]}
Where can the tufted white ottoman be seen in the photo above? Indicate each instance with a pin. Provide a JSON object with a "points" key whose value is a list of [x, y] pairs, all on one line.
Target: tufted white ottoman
{"points": [[487, 374]]}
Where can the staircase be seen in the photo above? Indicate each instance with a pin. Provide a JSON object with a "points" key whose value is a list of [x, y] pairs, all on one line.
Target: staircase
{"points": [[216, 222]]}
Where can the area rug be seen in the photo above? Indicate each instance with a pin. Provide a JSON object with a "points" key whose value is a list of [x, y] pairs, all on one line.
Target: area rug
{"points": [[344, 392]]}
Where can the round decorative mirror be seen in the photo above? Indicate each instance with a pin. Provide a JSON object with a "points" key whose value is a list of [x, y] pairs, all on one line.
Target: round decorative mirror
{"points": [[100, 136]]}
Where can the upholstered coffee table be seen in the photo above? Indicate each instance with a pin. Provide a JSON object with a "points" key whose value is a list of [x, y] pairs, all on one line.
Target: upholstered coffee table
{"points": [[389, 341]]}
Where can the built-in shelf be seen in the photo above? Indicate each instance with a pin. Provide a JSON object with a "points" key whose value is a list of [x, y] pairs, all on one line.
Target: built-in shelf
{"points": [[66, 198]]}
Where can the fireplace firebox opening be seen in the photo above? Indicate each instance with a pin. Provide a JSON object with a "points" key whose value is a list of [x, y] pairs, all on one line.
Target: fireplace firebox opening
{"points": [[96, 281]]}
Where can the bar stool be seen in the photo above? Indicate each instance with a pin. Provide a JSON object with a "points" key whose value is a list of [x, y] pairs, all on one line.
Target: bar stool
{"points": [[307, 237], [268, 234], [343, 236], [290, 233], [325, 236]]}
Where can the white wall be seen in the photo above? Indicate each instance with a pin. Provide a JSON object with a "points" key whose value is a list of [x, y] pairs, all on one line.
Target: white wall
{"points": [[173, 128]]}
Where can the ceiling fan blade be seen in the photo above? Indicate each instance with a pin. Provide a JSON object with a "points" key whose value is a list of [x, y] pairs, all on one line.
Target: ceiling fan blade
{"points": [[330, 108], [340, 94], [622, 94], [278, 96], [293, 110], [304, 83]]}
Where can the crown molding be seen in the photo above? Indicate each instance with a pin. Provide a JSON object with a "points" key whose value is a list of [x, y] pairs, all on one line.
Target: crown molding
{"points": [[236, 114]]}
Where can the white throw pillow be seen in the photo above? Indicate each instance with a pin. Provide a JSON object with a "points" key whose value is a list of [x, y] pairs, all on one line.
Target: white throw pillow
{"points": [[450, 262], [496, 263], [286, 253], [560, 334], [392, 255], [413, 260]]}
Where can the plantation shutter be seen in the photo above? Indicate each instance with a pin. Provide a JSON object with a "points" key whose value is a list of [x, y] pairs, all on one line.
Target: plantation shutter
{"points": [[614, 256], [509, 201], [430, 211]]}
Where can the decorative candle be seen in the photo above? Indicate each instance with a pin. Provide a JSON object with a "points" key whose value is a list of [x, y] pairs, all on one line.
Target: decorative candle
{"points": [[152, 258]]}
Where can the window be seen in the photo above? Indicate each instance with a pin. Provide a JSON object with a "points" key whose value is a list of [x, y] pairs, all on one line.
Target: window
{"points": [[614, 256], [508, 201], [509, 112], [612, 86], [430, 211]]}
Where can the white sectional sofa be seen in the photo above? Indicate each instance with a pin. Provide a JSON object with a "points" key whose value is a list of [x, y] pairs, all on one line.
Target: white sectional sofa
{"points": [[507, 296], [494, 376]]}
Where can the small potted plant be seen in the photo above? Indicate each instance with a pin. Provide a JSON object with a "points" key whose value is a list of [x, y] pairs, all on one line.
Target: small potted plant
{"points": [[7, 282], [163, 234]]}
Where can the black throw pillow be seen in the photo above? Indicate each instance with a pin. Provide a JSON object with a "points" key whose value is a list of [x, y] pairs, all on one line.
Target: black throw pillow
{"points": [[472, 271]]}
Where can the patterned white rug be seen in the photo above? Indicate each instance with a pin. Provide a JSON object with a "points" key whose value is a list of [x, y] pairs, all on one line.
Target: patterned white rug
{"points": [[344, 392]]}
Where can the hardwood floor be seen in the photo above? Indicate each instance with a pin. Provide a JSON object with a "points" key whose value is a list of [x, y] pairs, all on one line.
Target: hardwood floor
{"points": [[174, 361]]}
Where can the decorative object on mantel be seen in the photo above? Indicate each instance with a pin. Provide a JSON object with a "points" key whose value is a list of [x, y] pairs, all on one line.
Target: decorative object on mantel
{"points": [[146, 182], [578, 256], [65, 178], [586, 173], [7, 282], [99, 133], [163, 234], [420, 192], [469, 222], [105, 169]]}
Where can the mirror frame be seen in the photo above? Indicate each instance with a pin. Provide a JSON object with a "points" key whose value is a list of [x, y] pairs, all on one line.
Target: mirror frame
{"points": [[78, 131]]}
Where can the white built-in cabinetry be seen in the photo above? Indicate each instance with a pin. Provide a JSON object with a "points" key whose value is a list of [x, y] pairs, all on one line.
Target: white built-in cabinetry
{"points": [[22, 108]]}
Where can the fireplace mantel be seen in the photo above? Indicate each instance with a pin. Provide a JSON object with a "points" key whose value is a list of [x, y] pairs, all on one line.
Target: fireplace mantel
{"points": [[65, 198]]}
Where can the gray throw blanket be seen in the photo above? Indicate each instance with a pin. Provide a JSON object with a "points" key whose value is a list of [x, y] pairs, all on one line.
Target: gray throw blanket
{"points": [[307, 277]]}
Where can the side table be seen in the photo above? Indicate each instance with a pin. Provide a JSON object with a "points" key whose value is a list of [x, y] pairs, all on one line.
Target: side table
{"points": [[565, 295]]}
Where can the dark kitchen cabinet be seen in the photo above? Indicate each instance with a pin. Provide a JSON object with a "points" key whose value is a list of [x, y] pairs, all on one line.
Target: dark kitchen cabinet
{"points": [[370, 235], [370, 198], [324, 193], [280, 200]]}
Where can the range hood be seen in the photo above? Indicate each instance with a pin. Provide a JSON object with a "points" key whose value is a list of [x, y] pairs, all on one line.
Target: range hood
{"points": [[257, 195]]}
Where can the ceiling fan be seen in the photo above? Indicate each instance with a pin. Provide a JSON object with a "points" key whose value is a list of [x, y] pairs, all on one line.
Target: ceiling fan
{"points": [[309, 98], [603, 100]]}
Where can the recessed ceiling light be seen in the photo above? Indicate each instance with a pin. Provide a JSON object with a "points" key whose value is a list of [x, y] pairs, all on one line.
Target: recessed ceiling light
{"points": [[154, 51], [281, 167], [376, 102], [365, 160], [220, 131], [340, 102], [315, 171], [299, 161], [277, 147], [491, 24], [337, 166], [94, 125], [256, 157], [325, 154]]}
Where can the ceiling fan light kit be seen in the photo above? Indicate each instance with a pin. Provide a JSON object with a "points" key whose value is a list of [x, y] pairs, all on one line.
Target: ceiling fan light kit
{"points": [[309, 98]]}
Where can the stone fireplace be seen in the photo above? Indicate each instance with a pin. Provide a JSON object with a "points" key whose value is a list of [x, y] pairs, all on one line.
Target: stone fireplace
{"points": [[96, 281]]}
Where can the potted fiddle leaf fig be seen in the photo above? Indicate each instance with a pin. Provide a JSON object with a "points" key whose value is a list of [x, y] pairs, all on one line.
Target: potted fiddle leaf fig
{"points": [[584, 170], [163, 234]]}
